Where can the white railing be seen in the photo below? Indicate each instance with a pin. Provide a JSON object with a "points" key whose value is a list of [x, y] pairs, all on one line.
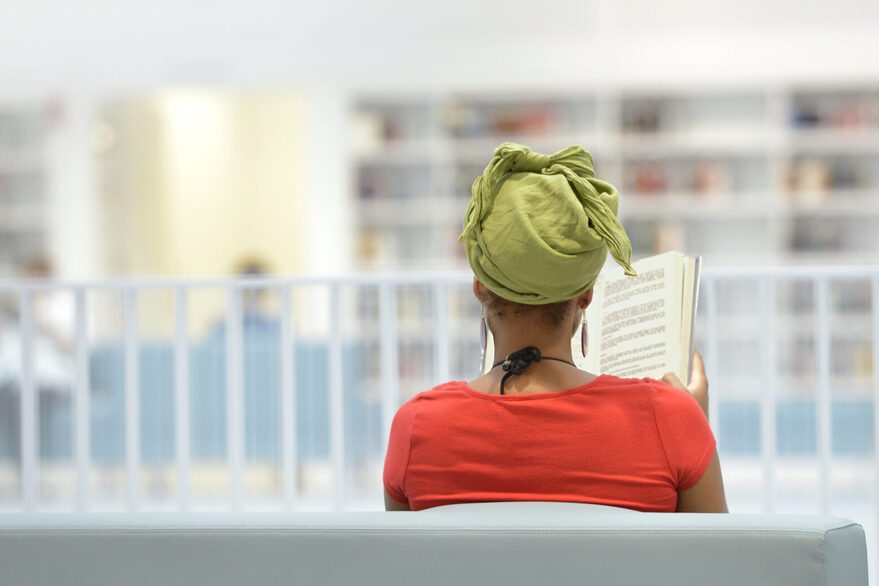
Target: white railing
{"points": [[834, 309], [27, 383]]}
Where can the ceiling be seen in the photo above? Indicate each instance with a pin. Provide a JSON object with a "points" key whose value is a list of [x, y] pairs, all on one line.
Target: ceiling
{"points": [[391, 43]]}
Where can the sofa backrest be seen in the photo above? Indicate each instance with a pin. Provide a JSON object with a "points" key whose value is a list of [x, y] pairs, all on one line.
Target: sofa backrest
{"points": [[484, 544]]}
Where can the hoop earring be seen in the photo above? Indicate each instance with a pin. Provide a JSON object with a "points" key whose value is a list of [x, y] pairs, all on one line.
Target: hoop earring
{"points": [[483, 339], [584, 336]]}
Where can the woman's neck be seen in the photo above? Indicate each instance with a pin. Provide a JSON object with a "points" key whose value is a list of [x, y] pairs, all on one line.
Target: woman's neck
{"points": [[512, 337], [539, 377]]}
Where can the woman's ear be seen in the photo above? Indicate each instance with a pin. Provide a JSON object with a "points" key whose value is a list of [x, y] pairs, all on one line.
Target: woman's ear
{"points": [[478, 290], [584, 299]]}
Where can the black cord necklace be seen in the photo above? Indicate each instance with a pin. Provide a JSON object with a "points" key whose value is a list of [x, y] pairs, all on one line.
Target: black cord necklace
{"points": [[518, 361]]}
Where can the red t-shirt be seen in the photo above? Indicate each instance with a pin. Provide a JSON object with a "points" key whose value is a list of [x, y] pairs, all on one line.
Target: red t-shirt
{"points": [[632, 443]]}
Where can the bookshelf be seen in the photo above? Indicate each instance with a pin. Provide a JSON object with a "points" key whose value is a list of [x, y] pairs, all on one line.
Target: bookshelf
{"points": [[755, 175], [741, 175], [23, 186]]}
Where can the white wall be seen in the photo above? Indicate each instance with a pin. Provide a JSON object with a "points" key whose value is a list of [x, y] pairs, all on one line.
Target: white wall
{"points": [[72, 212], [198, 181], [48, 45]]}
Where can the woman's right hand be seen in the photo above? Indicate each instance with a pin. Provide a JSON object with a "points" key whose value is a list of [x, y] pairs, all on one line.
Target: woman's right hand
{"points": [[698, 387]]}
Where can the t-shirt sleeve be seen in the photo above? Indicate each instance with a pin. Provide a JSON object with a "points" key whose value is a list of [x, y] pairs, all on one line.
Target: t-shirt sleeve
{"points": [[397, 457], [683, 429]]}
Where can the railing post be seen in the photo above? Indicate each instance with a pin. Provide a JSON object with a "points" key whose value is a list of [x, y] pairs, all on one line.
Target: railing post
{"points": [[132, 398], [823, 403], [234, 397], [28, 406], [769, 395], [289, 459], [441, 330], [335, 366], [388, 344], [181, 397], [81, 419]]}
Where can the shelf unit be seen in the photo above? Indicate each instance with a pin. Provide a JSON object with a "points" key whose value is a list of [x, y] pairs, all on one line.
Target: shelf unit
{"points": [[755, 175], [749, 175], [23, 185]]}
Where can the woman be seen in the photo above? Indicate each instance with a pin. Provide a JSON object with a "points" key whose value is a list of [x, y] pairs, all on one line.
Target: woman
{"points": [[537, 233]]}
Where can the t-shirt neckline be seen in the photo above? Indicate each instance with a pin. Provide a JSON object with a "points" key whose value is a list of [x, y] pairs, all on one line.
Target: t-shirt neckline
{"points": [[531, 396]]}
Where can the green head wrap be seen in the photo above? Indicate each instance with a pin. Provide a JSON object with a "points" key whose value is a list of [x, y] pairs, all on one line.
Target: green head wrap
{"points": [[539, 227]]}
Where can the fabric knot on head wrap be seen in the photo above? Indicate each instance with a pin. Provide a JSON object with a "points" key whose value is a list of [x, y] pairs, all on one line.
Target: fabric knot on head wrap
{"points": [[539, 227], [521, 159]]}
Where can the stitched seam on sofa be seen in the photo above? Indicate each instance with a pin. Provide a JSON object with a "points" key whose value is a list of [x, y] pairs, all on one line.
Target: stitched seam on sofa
{"points": [[824, 552], [842, 527]]}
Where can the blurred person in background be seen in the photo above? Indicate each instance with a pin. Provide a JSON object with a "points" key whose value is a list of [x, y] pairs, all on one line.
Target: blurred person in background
{"points": [[254, 315], [52, 329], [254, 318], [52, 351], [535, 427], [53, 309]]}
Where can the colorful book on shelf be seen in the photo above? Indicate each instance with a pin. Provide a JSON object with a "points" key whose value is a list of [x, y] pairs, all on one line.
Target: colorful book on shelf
{"points": [[640, 326]]}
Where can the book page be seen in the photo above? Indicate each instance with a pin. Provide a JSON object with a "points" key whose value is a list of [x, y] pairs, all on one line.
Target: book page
{"points": [[635, 324]]}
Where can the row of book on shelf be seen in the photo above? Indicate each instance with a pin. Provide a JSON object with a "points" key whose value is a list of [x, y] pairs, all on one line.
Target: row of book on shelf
{"points": [[462, 118], [814, 175]]}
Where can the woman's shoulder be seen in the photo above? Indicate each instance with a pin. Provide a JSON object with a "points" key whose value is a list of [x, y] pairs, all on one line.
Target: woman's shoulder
{"points": [[452, 385], [611, 381], [441, 391], [645, 383], [656, 390], [672, 400], [665, 402]]}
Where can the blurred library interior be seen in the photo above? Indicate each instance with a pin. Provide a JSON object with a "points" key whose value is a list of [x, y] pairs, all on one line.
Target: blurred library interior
{"points": [[150, 156]]}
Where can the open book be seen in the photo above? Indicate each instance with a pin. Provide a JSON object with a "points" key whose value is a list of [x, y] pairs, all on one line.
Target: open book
{"points": [[640, 326], [643, 326]]}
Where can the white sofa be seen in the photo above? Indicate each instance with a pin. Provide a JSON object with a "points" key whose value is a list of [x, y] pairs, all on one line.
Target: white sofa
{"points": [[482, 544]]}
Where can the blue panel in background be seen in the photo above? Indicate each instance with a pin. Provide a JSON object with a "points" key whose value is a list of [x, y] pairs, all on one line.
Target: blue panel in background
{"points": [[262, 398], [157, 421], [853, 431], [312, 401], [362, 420], [107, 378], [10, 416], [56, 425], [207, 404], [796, 427], [739, 428]]}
